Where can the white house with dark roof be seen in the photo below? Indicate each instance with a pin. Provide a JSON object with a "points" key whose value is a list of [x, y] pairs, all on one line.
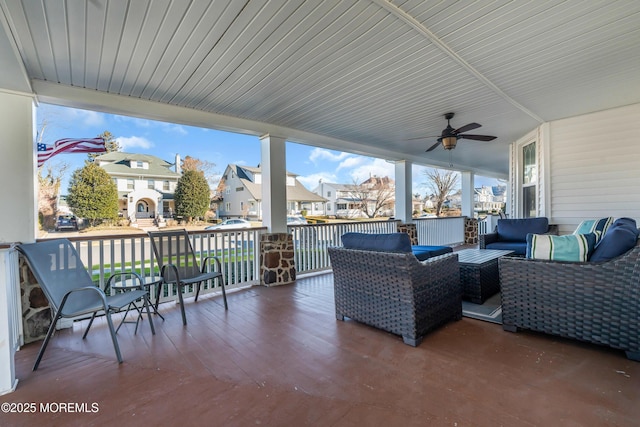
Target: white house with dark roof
{"points": [[240, 194], [145, 183], [345, 200]]}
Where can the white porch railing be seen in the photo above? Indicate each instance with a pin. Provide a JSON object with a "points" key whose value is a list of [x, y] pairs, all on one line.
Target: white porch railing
{"points": [[239, 249], [488, 224], [311, 241], [445, 231]]}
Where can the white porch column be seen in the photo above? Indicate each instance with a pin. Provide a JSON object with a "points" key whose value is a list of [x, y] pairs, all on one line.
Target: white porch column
{"points": [[17, 220], [404, 191], [467, 182], [274, 183]]}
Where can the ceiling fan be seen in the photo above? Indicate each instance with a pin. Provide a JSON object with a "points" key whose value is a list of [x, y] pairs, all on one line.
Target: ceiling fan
{"points": [[450, 136]]}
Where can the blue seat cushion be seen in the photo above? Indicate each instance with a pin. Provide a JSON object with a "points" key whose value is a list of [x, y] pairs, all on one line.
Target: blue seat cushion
{"points": [[425, 252], [518, 248], [619, 238], [392, 242], [516, 230]]}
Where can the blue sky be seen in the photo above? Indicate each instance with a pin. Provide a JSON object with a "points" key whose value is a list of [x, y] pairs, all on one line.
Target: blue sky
{"points": [[165, 140]]}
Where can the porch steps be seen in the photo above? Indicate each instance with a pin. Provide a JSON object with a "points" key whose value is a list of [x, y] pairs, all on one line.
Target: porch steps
{"points": [[146, 224]]}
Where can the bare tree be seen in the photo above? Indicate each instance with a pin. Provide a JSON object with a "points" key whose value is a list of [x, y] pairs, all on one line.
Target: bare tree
{"points": [[373, 196], [49, 186], [206, 167], [442, 184], [48, 192]]}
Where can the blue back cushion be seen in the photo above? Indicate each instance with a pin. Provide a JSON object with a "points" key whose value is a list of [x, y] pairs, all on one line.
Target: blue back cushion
{"points": [[516, 230], [393, 242], [620, 237]]}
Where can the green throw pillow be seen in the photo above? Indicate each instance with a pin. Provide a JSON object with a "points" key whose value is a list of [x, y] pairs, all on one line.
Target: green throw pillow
{"points": [[570, 247], [597, 226]]}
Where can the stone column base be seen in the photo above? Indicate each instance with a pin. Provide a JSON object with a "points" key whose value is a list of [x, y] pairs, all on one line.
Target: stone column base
{"points": [[411, 230], [36, 313], [471, 231], [277, 265]]}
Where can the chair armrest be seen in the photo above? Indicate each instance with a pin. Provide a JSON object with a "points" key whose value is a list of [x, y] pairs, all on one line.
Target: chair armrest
{"points": [[134, 277], [441, 270], [485, 239], [206, 262], [91, 288], [173, 270]]}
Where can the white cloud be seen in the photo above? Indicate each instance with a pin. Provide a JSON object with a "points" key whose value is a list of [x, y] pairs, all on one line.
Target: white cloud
{"points": [[312, 181], [128, 142], [171, 127], [373, 167], [351, 162], [90, 118], [63, 117], [318, 154]]}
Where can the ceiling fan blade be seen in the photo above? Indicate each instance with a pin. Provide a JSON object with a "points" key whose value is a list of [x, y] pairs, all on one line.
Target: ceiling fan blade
{"points": [[433, 147], [478, 137], [422, 137], [467, 128]]}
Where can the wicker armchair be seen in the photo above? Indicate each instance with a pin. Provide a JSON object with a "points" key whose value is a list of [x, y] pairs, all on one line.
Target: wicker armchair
{"points": [[396, 292], [596, 302]]}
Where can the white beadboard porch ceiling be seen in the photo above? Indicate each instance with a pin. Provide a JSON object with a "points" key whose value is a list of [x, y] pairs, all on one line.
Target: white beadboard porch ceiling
{"points": [[357, 75]]}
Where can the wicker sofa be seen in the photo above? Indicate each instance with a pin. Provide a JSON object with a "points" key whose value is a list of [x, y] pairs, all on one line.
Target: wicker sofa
{"points": [[511, 234], [596, 302], [395, 292]]}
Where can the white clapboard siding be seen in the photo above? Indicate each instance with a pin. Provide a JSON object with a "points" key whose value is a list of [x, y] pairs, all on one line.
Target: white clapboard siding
{"points": [[595, 166]]}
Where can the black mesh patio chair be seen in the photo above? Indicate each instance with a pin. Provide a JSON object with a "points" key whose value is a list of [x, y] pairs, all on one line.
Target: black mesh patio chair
{"points": [[66, 283], [179, 265]]}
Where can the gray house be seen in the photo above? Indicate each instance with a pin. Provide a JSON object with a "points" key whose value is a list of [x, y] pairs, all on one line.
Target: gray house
{"points": [[240, 194]]}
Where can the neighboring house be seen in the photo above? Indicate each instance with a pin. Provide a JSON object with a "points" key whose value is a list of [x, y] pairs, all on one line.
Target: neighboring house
{"points": [[240, 194], [453, 201], [345, 200], [485, 200], [145, 184]]}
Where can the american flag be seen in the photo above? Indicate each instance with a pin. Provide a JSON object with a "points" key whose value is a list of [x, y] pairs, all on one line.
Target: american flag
{"points": [[70, 145]]}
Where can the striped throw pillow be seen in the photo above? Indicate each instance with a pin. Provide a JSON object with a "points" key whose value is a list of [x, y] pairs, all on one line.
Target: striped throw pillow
{"points": [[569, 247], [597, 226]]}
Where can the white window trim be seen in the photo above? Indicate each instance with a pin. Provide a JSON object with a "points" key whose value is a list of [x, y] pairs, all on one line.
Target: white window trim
{"points": [[538, 136]]}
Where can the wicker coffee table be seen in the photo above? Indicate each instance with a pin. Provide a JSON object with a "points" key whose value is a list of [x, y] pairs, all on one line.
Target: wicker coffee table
{"points": [[479, 273]]}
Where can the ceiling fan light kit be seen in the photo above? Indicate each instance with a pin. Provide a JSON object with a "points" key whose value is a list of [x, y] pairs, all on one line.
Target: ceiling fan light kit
{"points": [[449, 142]]}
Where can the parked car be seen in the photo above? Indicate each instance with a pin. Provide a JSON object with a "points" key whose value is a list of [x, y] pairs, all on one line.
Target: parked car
{"points": [[296, 220], [67, 222], [230, 224]]}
